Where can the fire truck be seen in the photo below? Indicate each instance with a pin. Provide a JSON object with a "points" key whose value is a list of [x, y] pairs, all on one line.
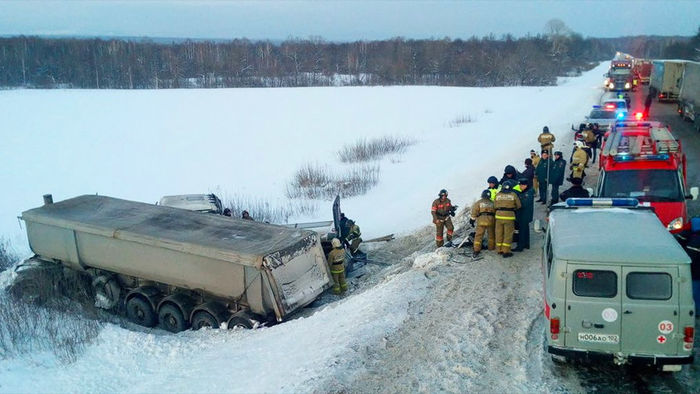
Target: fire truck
{"points": [[643, 160], [620, 76]]}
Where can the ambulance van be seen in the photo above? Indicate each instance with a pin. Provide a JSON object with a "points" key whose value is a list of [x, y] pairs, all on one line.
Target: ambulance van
{"points": [[617, 286]]}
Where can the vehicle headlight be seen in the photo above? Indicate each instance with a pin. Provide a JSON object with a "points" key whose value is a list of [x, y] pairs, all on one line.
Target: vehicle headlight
{"points": [[612, 85], [676, 224], [627, 85]]}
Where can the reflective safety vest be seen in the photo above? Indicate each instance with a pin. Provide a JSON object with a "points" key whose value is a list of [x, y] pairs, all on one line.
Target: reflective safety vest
{"points": [[494, 192]]}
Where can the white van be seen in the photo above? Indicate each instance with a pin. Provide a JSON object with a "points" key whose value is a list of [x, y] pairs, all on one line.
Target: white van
{"points": [[617, 286]]}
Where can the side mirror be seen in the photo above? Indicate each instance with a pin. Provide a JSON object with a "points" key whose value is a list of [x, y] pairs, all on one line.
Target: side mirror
{"points": [[694, 192]]}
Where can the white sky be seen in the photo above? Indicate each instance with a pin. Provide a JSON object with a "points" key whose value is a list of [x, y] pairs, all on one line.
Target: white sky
{"points": [[345, 20]]}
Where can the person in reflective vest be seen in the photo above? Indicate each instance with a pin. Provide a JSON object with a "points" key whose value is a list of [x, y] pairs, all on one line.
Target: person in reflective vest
{"points": [[441, 209], [579, 161], [336, 260], [506, 203], [494, 186], [482, 213]]}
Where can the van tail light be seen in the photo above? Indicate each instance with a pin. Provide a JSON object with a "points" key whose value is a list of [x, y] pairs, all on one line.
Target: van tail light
{"points": [[689, 333], [554, 327]]}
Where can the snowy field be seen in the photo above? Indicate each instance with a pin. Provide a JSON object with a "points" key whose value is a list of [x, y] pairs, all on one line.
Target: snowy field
{"points": [[141, 145]]}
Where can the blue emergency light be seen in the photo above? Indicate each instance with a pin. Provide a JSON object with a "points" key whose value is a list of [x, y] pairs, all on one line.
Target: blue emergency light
{"points": [[631, 157], [602, 202], [620, 115], [596, 106]]}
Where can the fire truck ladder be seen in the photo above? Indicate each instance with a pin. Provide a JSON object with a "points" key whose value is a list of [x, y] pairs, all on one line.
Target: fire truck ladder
{"points": [[659, 140]]}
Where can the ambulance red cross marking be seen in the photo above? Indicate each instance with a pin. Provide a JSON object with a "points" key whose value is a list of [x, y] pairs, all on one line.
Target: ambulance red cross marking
{"points": [[661, 339]]}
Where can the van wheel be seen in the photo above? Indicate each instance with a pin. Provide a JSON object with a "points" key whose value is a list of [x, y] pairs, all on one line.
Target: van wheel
{"points": [[171, 318], [203, 319], [141, 312], [243, 319]]}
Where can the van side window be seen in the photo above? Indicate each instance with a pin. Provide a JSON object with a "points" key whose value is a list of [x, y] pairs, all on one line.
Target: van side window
{"points": [[549, 255], [593, 283], [649, 286]]}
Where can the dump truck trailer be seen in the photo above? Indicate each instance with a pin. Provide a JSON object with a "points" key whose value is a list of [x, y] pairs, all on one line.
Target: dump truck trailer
{"points": [[180, 268]]}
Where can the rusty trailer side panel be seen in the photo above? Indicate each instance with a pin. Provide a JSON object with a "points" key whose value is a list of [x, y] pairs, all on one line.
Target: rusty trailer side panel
{"points": [[269, 268]]}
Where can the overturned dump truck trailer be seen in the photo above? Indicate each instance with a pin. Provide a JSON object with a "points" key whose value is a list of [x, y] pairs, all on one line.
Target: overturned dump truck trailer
{"points": [[180, 268]]}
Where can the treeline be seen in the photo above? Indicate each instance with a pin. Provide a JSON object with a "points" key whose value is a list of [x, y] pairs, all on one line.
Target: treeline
{"points": [[35, 62]]}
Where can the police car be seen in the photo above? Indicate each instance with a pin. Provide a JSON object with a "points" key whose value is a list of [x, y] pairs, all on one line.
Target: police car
{"points": [[623, 299]]}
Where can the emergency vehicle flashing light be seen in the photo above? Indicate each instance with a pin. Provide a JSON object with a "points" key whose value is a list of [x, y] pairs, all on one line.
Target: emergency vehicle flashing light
{"points": [[631, 157], [602, 202], [620, 115], [610, 106], [638, 115]]}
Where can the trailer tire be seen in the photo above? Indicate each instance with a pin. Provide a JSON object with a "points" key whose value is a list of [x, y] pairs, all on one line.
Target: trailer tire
{"points": [[171, 318], [203, 319], [243, 319], [141, 312]]}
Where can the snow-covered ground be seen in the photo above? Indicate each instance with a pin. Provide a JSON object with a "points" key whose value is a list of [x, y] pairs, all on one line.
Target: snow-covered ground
{"points": [[141, 145], [425, 324]]}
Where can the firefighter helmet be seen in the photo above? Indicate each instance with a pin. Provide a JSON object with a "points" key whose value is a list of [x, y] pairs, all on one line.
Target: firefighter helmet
{"points": [[486, 194], [443, 191]]}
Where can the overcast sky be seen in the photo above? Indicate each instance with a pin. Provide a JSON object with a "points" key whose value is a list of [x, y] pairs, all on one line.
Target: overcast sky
{"points": [[345, 20]]}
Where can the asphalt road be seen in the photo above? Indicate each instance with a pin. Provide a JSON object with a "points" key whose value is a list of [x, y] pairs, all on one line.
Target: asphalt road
{"points": [[683, 130]]}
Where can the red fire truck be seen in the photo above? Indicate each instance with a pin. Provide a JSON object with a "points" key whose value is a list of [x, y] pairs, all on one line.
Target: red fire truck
{"points": [[644, 161]]}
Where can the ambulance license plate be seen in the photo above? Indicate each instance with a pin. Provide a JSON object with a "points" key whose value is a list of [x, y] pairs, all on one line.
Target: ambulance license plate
{"points": [[598, 338]]}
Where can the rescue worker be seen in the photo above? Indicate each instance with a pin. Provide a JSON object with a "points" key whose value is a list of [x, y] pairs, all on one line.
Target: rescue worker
{"points": [[647, 104], [535, 161], [336, 260], [510, 173], [523, 216], [576, 190], [441, 210], [227, 212], [590, 141], [353, 238], [482, 213], [507, 202], [246, 216], [578, 163], [494, 186], [546, 139], [542, 173], [556, 174], [598, 138], [528, 172]]}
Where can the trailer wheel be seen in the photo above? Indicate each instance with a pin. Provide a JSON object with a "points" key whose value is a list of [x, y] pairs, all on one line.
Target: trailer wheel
{"points": [[171, 318], [203, 319], [243, 319], [141, 312]]}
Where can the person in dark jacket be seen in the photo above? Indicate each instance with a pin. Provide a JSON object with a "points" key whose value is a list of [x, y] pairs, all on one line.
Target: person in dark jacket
{"points": [[557, 175], [523, 216], [529, 172], [576, 190], [543, 175], [510, 173]]}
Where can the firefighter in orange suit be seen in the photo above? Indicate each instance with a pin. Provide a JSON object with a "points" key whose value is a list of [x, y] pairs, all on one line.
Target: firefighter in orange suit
{"points": [[482, 213], [506, 203], [441, 210], [336, 259]]}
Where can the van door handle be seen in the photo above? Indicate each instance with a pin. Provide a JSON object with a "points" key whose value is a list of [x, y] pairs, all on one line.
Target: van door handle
{"points": [[598, 325], [627, 312]]}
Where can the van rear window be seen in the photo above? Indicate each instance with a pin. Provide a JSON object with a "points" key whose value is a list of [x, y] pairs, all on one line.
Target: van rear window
{"points": [[592, 283], [649, 286]]}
